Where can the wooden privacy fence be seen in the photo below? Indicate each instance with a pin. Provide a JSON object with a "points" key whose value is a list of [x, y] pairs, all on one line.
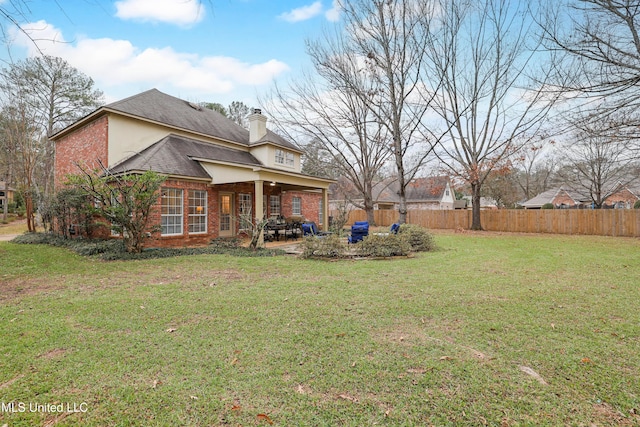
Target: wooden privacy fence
{"points": [[602, 222]]}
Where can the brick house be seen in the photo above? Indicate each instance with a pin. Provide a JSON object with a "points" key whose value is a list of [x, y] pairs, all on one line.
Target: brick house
{"points": [[563, 197], [218, 172]]}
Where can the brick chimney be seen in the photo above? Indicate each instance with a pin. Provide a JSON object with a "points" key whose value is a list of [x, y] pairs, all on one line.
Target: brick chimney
{"points": [[257, 125]]}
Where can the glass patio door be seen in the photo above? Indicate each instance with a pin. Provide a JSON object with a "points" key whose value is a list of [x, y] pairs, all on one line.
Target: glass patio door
{"points": [[226, 210]]}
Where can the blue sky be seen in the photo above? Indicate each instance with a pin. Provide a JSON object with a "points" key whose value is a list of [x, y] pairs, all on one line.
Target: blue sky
{"points": [[199, 50]]}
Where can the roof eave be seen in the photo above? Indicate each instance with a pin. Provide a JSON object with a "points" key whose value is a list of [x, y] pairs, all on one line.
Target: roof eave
{"points": [[275, 144]]}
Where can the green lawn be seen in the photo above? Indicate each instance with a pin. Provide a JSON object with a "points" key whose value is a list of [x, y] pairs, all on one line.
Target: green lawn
{"points": [[453, 337]]}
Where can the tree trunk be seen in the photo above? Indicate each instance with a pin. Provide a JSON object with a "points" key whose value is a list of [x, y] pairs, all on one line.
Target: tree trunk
{"points": [[28, 202], [475, 208], [402, 186], [368, 208]]}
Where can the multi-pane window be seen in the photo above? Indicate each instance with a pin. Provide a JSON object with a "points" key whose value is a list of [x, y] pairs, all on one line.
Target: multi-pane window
{"points": [[225, 212], [288, 159], [296, 206], [244, 208], [279, 156], [274, 206], [197, 211], [171, 211], [284, 157]]}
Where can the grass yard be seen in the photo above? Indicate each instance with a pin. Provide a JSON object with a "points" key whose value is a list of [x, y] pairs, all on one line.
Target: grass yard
{"points": [[500, 330]]}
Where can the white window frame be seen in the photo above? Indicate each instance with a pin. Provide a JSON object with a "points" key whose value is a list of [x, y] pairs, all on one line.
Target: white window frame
{"points": [[296, 206], [245, 208], [172, 215], [288, 159], [279, 158], [274, 206], [198, 211]]}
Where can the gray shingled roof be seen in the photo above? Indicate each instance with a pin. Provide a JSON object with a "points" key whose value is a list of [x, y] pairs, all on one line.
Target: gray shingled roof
{"points": [[160, 107], [173, 154], [548, 196], [387, 190]]}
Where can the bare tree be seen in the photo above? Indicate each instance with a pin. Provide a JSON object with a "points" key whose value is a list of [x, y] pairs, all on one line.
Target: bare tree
{"points": [[601, 40], [595, 163], [53, 95], [23, 138], [337, 121], [318, 161], [238, 112], [369, 108], [392, 35], [483, 56], [534, 167]]}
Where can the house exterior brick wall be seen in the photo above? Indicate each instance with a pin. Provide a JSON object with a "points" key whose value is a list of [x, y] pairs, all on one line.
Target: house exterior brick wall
{"points": [[309, 205], [185, 239], [623, 197], [86, 145], [562, 198]]}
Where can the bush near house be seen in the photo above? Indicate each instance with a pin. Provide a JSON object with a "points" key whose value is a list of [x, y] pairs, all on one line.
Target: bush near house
{"points": [[331, 246], [410, 238], [377, 245], [418, 237], [115, 250], [636, 205]]}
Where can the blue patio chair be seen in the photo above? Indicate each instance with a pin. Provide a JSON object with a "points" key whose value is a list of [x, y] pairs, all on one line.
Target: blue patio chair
{"points": [[358, 231], [395, 227], [311, 229]]}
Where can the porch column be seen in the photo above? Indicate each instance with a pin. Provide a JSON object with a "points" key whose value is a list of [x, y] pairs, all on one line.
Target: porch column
{"points": [[259, 214], [325, 209]]}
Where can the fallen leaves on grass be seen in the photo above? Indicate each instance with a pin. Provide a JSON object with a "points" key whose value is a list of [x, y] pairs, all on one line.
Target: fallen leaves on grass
{"points": [[348, 397], [416, 371], [170, 330], [303, 389], [264, 417], [446, 358], [586, 360], [527, 370]]}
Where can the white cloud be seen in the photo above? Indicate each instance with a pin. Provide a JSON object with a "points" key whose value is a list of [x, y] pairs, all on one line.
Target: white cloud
{"points": [[178, 12], [303, 13], [333, 14], [114, 64]]}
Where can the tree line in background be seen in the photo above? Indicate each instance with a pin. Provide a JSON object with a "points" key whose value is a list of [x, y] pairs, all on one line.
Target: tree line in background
{"points": [[507, 98]]}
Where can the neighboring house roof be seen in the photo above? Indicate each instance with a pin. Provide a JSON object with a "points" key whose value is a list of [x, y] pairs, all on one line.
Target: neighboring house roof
{"points": [[427, 189], [550, 195], [173, 154], [485, 202], [159, 107], [430, 189]]}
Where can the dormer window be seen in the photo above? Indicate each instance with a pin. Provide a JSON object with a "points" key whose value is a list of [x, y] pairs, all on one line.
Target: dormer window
{"points": [[284, 158]]}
